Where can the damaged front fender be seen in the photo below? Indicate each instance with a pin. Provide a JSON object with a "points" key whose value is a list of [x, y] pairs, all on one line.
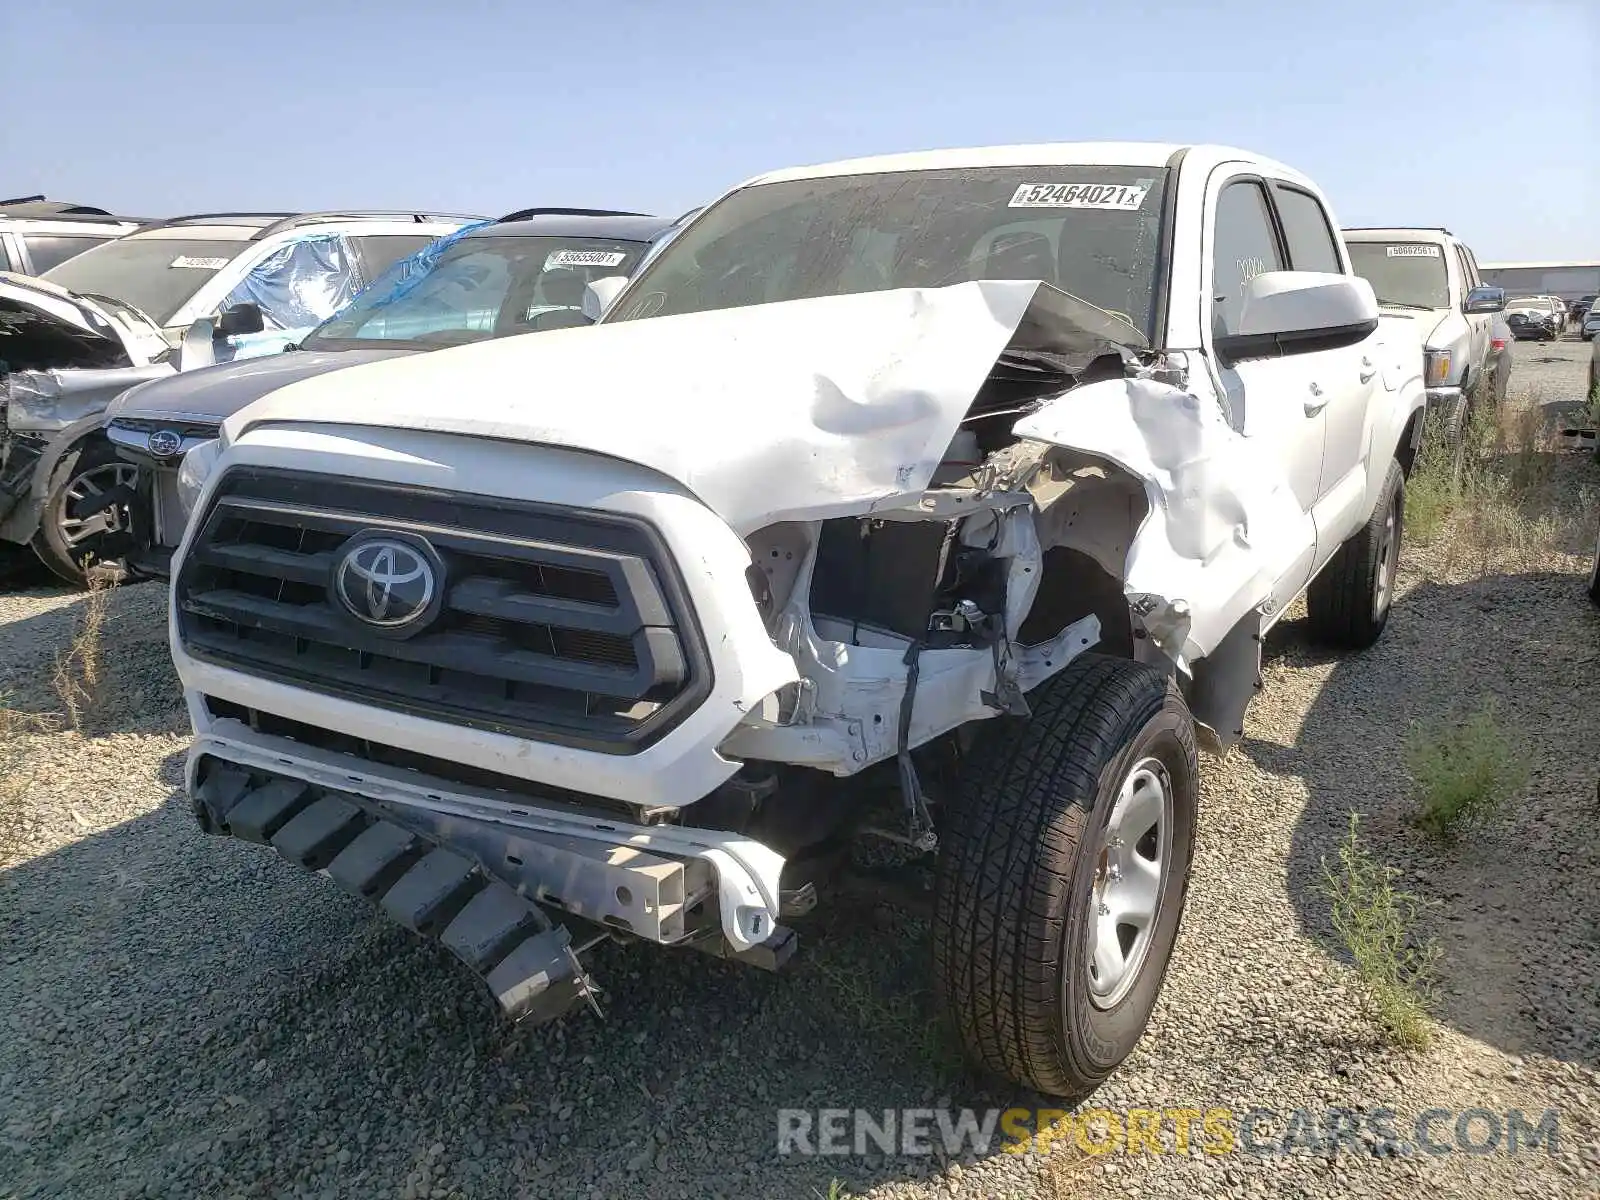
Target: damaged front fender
{"points": [[1223, 528], [30, 460]]}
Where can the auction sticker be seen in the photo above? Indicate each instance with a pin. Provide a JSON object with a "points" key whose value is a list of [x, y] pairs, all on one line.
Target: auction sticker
{"points": [[585, 258], [199, 264], [1124, 196], [1423, 251]]}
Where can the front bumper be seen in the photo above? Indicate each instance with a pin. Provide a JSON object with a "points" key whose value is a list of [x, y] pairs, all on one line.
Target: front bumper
{"points": [[528, 963], [156, 517], [668, 884], [1523, 333]]}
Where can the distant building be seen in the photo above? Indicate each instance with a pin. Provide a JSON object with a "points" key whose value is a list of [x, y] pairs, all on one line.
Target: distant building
{"points": [[1569, 280]]}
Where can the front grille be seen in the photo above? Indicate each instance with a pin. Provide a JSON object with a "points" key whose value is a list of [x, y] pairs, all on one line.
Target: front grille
{"points": [[185, 429], [561, 625]]}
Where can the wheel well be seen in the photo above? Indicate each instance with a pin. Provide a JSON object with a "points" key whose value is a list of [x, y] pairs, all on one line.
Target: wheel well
{"points": [[1071, 586], [1406, 452]]}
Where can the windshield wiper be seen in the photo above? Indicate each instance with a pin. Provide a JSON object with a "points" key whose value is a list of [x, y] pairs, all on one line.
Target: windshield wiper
{"points": [[1403, 304]]}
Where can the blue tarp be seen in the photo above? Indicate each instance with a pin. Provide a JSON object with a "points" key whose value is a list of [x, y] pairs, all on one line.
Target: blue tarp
{"points": [[303, 283], [406, 273]]}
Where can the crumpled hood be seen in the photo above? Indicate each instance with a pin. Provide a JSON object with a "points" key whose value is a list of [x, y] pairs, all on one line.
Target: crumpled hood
{"points": [[85, 328], [215, 393], [804, 409]]}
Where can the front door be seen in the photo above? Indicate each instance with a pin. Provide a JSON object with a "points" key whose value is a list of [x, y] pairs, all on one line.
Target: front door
{"points": [[1346, 376], [1279, 403]]}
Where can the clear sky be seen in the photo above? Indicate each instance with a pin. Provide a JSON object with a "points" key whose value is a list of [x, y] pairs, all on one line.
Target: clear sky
{"points": [[1481, 115]]}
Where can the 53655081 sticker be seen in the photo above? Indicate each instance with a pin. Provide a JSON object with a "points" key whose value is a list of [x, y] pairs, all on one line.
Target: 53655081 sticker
{"points": [[1419, 251], [584, 258], [1125, 196]]}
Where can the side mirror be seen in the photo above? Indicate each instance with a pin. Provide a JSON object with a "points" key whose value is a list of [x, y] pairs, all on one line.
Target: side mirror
{"points": [[241, 318], [199, 346], [1286, 311], [1484, 300], [599, 294]]}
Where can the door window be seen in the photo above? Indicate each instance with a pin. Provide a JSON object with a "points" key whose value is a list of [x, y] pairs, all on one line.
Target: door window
{"points": [[380, 251], [1243, 245], [1466, 271], [1308, 231]]}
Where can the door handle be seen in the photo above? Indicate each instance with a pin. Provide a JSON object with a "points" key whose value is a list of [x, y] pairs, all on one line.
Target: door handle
{"points": [[1316, 402], [1367, 370]]}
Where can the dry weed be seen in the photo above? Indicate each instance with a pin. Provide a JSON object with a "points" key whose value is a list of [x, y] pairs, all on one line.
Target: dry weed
{"points": [[79, 678], [1375, 920], [1496, 507], [1463, 772], [1067, 1173]]}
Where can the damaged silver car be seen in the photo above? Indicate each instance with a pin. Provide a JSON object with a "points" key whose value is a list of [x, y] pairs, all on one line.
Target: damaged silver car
{"points": [[174, 296]]}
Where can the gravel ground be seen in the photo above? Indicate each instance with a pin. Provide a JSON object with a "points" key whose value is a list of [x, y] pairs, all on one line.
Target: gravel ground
{"points": [[185, 1017]]}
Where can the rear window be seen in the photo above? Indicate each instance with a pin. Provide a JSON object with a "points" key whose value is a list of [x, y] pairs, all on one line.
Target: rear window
{"points": [[1403, 274], [52, 249]]}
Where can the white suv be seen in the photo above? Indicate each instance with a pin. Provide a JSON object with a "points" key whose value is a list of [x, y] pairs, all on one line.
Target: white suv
{"points": [[37, 234]]}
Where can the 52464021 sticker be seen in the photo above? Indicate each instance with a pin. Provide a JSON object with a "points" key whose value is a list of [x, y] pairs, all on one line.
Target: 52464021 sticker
{"points": [[1422, 250], [584, 258], [1125, 196]]}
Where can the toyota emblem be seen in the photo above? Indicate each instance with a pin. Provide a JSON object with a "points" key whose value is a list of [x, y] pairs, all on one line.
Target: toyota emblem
{"points": [[386, 582], [164, 443]]}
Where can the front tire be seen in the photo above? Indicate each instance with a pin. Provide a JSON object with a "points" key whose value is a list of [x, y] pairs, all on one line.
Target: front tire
{"points": [[1063, 868], [1349, 601], [85, 518]]}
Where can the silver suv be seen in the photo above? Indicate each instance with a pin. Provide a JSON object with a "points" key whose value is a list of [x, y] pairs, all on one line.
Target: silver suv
{"points": [[37, 234]]}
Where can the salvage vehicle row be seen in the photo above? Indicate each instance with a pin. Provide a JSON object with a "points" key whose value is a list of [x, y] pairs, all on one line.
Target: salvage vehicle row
{"points": [[146, 306]]}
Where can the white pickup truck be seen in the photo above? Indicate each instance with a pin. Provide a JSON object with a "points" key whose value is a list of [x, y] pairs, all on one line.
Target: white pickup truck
{"points": [[1433, 275], [943, 499]]}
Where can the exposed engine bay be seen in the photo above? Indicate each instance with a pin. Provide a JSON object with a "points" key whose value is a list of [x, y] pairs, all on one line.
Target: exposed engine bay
{"points": [[31, 340]]}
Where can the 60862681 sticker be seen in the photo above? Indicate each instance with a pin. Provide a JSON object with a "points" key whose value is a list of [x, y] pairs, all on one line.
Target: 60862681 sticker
{"points": [[1125, 196], [1421, 250]]}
